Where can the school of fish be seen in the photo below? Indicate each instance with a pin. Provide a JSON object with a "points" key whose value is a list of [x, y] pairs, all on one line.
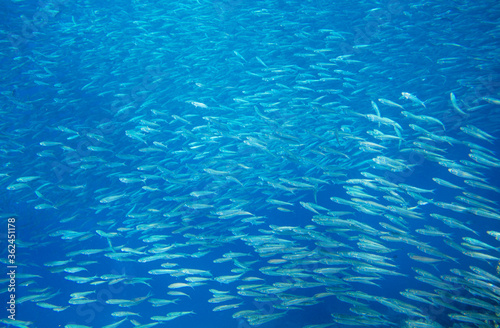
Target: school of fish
{"points": [[322, 157]]}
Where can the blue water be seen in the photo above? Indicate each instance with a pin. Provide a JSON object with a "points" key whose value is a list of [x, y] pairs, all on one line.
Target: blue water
{"points": [[102, 69]]}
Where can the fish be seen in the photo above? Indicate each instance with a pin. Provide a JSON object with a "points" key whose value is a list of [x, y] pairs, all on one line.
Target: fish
{"points": [[389, 103], [454, 103], [226, 307], [413, 99], [156, 151], [162, 302], [172, 315], [446, 183], [179, 285], [124, 314], [115, 324]]}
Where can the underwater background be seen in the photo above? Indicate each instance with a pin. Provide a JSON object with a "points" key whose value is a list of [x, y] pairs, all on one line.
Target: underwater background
{"points": [[250, 163]]}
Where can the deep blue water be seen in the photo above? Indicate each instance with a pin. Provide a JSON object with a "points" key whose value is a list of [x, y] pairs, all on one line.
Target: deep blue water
{"points": [[194, 80]]}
